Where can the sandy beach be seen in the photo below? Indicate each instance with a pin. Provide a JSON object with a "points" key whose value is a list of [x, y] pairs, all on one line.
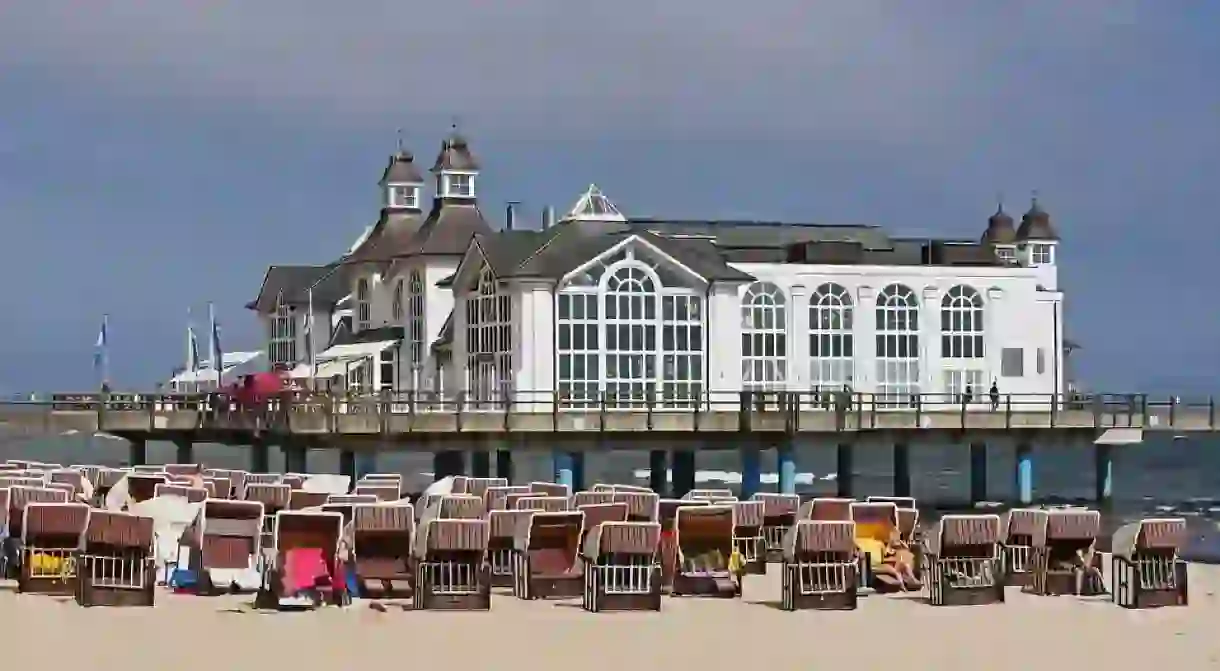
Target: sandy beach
{"points": [[886, 632]]}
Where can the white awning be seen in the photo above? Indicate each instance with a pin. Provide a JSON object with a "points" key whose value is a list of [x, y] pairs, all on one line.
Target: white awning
{"points": [[326, 369], [358, 350]]}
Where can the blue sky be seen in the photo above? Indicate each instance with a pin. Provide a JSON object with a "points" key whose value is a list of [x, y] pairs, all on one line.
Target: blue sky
{"points": [[157, 156]]}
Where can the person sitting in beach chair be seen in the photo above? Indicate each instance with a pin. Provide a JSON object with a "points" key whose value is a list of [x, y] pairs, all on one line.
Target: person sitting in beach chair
{"points": [[891, 562]]}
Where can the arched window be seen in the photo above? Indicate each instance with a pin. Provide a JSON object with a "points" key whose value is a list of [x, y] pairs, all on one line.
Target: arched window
{"points": [[627, 326], [831, 346], [961, 342], [283, 345], [897, 346], [764, 340], [396, 303], [364, 305], [489, 344], [415, 318]]}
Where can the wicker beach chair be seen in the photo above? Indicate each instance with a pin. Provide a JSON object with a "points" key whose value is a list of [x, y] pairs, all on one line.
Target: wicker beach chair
{"points": [[875, 523], [641, 506], [183, 469], [667, 550], [1147, 570], [228, 540], [456, 507], [900, 501], [819, 567], [461, 485], [748, 518], [496, 497], [1017, 530], [704, 538], [550, 489], [479, 486], [382, 539], [116, 567], [451, 571], [384, 491], [826, 509], [304, 571], [779, 514], [70, 477], [708, 494], [293, 480], [236, 480], [275, 497], [191, 494], [962, 562], [299, 499], [1068, 537], [550, 504], [546, 556], [52, 537], [620, 567], [596, 513], [351, 499], [143, 486], [502, 537], [586, 498]]}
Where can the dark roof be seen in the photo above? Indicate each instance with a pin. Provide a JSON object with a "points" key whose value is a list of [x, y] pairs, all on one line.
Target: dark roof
{"points": [[401, 170], [455, 155], [392, 236], [448, 229], [293, 282], [445, 338], [1000, 229], [380, 334], [1036, 224]]}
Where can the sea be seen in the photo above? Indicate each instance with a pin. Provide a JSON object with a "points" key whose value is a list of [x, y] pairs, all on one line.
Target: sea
{"points": [[1160, 477]]}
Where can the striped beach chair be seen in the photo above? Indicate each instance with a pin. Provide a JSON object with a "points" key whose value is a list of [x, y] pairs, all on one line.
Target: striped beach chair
{"points": [[704, 539], [546, 556], [596, 513], [479, 486], [667, 514], [748, 518], [496, 498], [550, 489], [819, 568], [52, 537], [620, 567], [451, 572], [384, 491], [1146, 567], [704, 494], [779, 514], [550, 504], [962, 562], [305, 570], [274, 496], [875, 523], [1017, 531], [191, 494], [641, 506], [502, 537], [228, 542], [382, 538], [117, 565], [1065, 561], [586, 498]]}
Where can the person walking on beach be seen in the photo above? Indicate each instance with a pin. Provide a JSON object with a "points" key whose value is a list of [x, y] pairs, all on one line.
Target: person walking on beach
{"points": [[995, 395]]}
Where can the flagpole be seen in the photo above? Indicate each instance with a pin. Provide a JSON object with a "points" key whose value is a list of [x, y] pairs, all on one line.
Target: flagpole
{"points": [[215, 355], [190, 342], [105, 350], [313, 362]]}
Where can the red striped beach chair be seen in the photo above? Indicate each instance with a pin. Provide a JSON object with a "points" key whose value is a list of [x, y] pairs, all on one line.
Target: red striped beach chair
{"points": [[826, 509], [546, 556], [221, 488], [502, 538], [305, 571], [748, 518], [1061, 548], [451, 571], [641, 506], [183, 469], [461, 485], [293, 480], [819, 569], [229, 541], [1147, 570], [621, 568], [962, 562], [704, 538], [382, 540], [875, 523], [52, 536], [550, 489], [117, 565], [586, 498], [550, 504], [236, 480], [1017, 530], [456, 507], [70, 477]]}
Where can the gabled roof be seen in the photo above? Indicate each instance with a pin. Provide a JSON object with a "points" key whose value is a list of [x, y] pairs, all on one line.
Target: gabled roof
{"points": [[393, 236], [292, 284], [455, 154], [449, 228], [401, 170]]}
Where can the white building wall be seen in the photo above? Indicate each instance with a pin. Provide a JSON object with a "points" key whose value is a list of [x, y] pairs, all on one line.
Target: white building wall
{"points": [[533, 343], [723, 353]]}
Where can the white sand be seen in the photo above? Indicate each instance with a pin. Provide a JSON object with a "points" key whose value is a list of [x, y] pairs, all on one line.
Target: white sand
{"points": [[886, 632]]}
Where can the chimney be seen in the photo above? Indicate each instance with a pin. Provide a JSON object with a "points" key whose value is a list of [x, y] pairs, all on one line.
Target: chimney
{"points": [[510, 214], [548, 217]]}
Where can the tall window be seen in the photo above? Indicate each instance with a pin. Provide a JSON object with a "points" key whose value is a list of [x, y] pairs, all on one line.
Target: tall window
{"points": [[764, 340], [961, 341], [629, 327], [415, 325], [831, 346], [458, 185], [489, 344], [897, 346], [283, 347], [396, 303], [364, 306], [1040, 254]]}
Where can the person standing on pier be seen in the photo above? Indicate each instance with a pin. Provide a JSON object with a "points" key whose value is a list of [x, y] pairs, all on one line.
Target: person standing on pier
{"points": [[995, 395]]}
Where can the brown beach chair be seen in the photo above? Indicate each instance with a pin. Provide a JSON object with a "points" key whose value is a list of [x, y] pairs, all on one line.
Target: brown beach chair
{"points": [[235, 478], [1017, 530], [222, 488], [183, 469], [143, 486], [620, 567], [704, 538], [21, 495], [667, 551], [382, 537], [274, 497], [479, 486], [748, 517], [1147, 570], [314, 533], [457, 507], [116, 566], [191, 494], [708, 494], [351, 499], [52, 536], [496, 498], [826, 509], [550, 489], [461, 485], [502, 538], [550, 504], [511, 499], [596, 513], [229, 540], [641, 506], [67, 488], [962, 564], [264, 478], [1068, 535], [602, 487], [293, 480], [620, 488], [874, 522], [586, 498], [900, 501], [819, 568], [68, 476], [300, 499], [546, 556], [107, 478], [384, 491], [451, 571], [148, 469]]}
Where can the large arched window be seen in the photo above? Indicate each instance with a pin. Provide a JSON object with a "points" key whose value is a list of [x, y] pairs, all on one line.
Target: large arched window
{"points": [[415, 319], [364, 305], [764, 340], [489, 345], [629, 327], [396, 303], [283, 346], [961, 342], [897, 346], [831, 346]]}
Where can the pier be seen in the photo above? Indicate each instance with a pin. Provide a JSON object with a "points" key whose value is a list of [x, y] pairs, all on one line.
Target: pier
{"points": [[471, 436]]}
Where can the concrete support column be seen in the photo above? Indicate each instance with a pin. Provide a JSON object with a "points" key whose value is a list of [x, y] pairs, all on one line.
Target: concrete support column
{"points": [[1103, 473], [564, 468], [658, 471], [347, 466], [448, 462], [751, 471], [683, 472], [845, 457], [578, 471], [184, 452], [978, 472], [785, 462], [902, 469], [295, 459], [137, 452], [504, 465], [1025, 474], [480, 464], [260, 456], [366, 462]]}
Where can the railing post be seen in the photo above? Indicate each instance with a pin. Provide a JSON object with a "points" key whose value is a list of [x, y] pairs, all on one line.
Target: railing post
{"points": [[557, 397], [1097, 411], [1173, 411], [918, 413], [1144, 410], [601, 410], [411, 403], [649, 401], [1007, 411], [461, 408], [1211, 412], [699, 410], [963, 410]]}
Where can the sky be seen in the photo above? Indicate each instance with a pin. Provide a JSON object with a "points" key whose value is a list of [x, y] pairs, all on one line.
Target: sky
{"points": [[155, 156]]}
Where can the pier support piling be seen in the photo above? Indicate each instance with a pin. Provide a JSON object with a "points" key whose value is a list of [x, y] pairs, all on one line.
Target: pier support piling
{"points": [[137, 452], [978, 472], [785, 461], [564, 465], [366, 462], [1103, 470], [845, 469], [347, 466], [504, 465], [1025, 474], [480, 464], [448, 462], [683, 472], [184, 452], [751, 471], [260, 456], [658, 471], [295, 459], [902, 469]]}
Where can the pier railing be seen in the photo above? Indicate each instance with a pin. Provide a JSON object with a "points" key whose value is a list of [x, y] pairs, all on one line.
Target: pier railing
{"points": [[789, 411]]}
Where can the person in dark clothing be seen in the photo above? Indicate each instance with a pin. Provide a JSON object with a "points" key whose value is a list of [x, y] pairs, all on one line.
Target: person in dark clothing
{"points": [[969, 394], [995, 396]]}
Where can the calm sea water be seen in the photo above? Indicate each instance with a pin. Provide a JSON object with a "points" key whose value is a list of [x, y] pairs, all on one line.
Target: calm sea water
{"points": [[1160, 476]]}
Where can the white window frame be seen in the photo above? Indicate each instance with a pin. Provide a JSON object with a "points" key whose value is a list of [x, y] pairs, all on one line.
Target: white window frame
{"points": [[282, 346], [364, 304], [764, 337], [1041, 254], [404, 196], [458, 184], [963, 342], [897, 347], [416, 319], [489, 343], [396, 302], [831, 337]]}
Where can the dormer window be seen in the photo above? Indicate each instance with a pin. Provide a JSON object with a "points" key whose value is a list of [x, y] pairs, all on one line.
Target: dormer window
{"points": [[1006, 253], [405, 196], [457, 185], [1041, 254]]}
